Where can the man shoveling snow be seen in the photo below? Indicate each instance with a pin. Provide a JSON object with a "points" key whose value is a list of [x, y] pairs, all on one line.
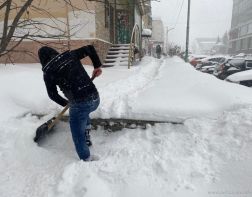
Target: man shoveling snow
{"points": [[66, 71]]}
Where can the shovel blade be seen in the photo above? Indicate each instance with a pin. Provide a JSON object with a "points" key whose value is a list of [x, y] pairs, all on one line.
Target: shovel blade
{"points": [[43, 130]]}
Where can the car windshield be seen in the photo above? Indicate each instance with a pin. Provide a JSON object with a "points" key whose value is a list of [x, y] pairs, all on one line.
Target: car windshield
{"points": [[222, 60], [236, 62]]}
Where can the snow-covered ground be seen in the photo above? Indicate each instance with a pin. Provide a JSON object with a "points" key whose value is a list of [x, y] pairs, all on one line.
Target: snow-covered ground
{"points": [[208, 155]]}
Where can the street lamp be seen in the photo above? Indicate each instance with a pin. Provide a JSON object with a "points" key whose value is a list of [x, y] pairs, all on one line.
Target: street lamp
{"points": [[187, 31], [167, 30]]}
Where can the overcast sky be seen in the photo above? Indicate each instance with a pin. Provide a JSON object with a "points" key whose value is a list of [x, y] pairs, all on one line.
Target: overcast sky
{"points": [[209, 18]]}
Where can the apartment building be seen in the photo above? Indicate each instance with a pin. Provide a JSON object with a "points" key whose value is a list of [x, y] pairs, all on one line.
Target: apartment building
{"points": [[240, 35]]}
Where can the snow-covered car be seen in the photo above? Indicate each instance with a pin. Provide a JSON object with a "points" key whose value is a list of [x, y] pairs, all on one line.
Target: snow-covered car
{"points": [[208, 64], [231, 66], [210, 61], [219, 67], [209, 69], [196, 59], [243, 78]]}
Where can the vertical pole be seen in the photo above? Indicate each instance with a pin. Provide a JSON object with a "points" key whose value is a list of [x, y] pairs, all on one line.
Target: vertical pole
{"points": [[68, 28], [187, 31], [166, 40], [115, 21], [141, 39]]}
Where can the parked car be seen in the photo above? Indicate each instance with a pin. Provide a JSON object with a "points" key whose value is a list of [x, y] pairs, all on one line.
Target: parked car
{"points": [[231, 66], [209, 68], [243, 78], [209, 61], [208, 64], [196, 59]]}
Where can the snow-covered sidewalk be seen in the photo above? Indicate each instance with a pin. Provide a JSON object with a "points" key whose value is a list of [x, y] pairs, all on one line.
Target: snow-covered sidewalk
{"points": [[209, 155]]}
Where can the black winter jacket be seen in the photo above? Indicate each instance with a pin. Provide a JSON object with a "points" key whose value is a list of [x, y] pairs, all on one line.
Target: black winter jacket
{"points": [[66, 71]]}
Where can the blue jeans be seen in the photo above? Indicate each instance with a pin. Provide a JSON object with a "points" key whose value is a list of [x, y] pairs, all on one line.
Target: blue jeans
{"points": [[79, 119]]}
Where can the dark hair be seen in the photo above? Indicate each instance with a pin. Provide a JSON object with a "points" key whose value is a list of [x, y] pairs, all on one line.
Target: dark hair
{"points": [[46, 54]]}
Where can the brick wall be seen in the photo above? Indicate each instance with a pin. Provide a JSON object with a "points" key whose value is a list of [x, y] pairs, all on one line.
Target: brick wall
{"points": [[27, 51]]}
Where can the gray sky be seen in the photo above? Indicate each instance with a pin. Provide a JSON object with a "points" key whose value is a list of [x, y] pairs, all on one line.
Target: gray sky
{"points": [[209, 18]]}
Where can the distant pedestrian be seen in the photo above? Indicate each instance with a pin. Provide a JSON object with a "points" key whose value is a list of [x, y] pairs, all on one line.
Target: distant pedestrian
{"points": [[149, 49], [158, 51], [66, 71]]}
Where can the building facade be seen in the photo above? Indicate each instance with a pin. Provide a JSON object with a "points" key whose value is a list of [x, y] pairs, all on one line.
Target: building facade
{"points": [[101, 23], [240, 35], [157, 37]]}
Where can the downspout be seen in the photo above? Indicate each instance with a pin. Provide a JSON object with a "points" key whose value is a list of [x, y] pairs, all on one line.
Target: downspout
{"points": [[141, 41], [115, 22], [68, 28]]}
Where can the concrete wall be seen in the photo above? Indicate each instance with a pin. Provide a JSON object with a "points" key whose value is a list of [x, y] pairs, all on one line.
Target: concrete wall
{"points": [[27, 50], [82, 24], [81, 19], [82, 28]]}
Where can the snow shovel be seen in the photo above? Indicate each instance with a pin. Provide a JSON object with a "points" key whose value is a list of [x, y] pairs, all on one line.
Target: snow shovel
{"points": [[45, 128]]}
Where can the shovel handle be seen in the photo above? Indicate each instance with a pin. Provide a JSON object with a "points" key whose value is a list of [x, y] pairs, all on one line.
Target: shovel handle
{"points": [[58, 117]]}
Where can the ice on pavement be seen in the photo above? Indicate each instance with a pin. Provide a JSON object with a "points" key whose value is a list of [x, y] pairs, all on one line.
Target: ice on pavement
{"points": [[210, 154]]}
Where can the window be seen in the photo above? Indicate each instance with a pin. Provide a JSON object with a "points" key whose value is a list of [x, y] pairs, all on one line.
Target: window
{"points": [[244, 44], [244, 30], [238, 45], [250, 28], [250, 43]]}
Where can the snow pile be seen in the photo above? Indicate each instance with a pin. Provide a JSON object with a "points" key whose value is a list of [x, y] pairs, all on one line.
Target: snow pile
{"points": [[240, 76], [209, 154], [22, 89], [169, 90], [155, 90], [79, 180], [115, 96], [163, 160]]}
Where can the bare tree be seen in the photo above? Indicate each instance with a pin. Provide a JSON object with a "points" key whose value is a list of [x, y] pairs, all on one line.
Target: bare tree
{"points": [[17, 25]]}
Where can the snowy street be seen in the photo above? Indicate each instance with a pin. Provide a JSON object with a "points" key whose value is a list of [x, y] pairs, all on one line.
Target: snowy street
{"points": [[208, 155]]}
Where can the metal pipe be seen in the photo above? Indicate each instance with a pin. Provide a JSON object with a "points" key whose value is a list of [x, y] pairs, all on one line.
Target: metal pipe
{"points": [[187, 31]]}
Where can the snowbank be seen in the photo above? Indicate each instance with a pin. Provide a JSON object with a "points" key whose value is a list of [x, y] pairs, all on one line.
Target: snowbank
{"points": [[240, 76], [209, 154]]}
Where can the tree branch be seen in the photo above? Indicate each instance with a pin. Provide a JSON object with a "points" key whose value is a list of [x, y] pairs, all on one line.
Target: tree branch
{"points": [[16, 19], [3, 5], [3, 43]]}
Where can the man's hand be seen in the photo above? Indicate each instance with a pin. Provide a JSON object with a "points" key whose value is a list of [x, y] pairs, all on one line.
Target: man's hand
{"points": [[97, 72]]}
